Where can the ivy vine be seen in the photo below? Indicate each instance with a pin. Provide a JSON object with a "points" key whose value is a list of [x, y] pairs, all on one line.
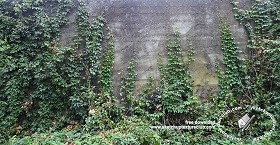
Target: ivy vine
{"points": [[45, 86]]}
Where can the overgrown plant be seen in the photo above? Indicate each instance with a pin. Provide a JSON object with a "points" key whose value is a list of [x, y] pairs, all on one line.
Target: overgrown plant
{"points": [[175, 78], [262, 24], [230, 75], [103, 112], [255, 80], [127, 90], [32, 87], [262, 74], [176, 87], [45, 86]]}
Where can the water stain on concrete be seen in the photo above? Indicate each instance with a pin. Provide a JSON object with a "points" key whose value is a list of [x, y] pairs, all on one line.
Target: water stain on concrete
{"points": [[144, 26]]}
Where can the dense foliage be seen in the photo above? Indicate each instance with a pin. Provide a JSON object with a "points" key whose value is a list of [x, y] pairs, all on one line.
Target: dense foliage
{"points": [[45, 86], [178, 101], [37, 77], [261, 67], [50, 94]]}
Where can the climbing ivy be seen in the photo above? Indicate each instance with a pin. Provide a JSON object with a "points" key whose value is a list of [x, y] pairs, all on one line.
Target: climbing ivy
{"points": [[254, 79], [262, 23], [175, 78], [31, 84], [104, 113], [127, 90], [262, 74], [106, 78], [176, 88], [45, 86], [149, 103], [230, 75]]}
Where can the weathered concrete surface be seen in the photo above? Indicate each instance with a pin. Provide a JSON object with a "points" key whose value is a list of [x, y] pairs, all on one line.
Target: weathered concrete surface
{"points": [[144, 26]]}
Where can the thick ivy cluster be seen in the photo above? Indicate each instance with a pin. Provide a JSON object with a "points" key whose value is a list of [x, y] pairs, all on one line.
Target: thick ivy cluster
{"points": [[45, 86], [229, 76], [262, 74], [149, 102], [103, 112], [254, 79], [87, 45], [127, 90], [31, 84], [176, 78], [262, 24], [176, 89]]}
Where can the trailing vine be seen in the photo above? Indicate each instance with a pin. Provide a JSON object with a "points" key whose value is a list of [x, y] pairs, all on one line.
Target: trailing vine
{"points": [[254, 79], [106, 79], [176, 87], [45, 86], [262, 74], [175, 78], [230, 75], [104, 113], [127, 90], [262, 24], [29, 60]]}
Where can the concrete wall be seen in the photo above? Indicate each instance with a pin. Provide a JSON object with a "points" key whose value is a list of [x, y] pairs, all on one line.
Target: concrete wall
{"points": [[144, 26]]}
